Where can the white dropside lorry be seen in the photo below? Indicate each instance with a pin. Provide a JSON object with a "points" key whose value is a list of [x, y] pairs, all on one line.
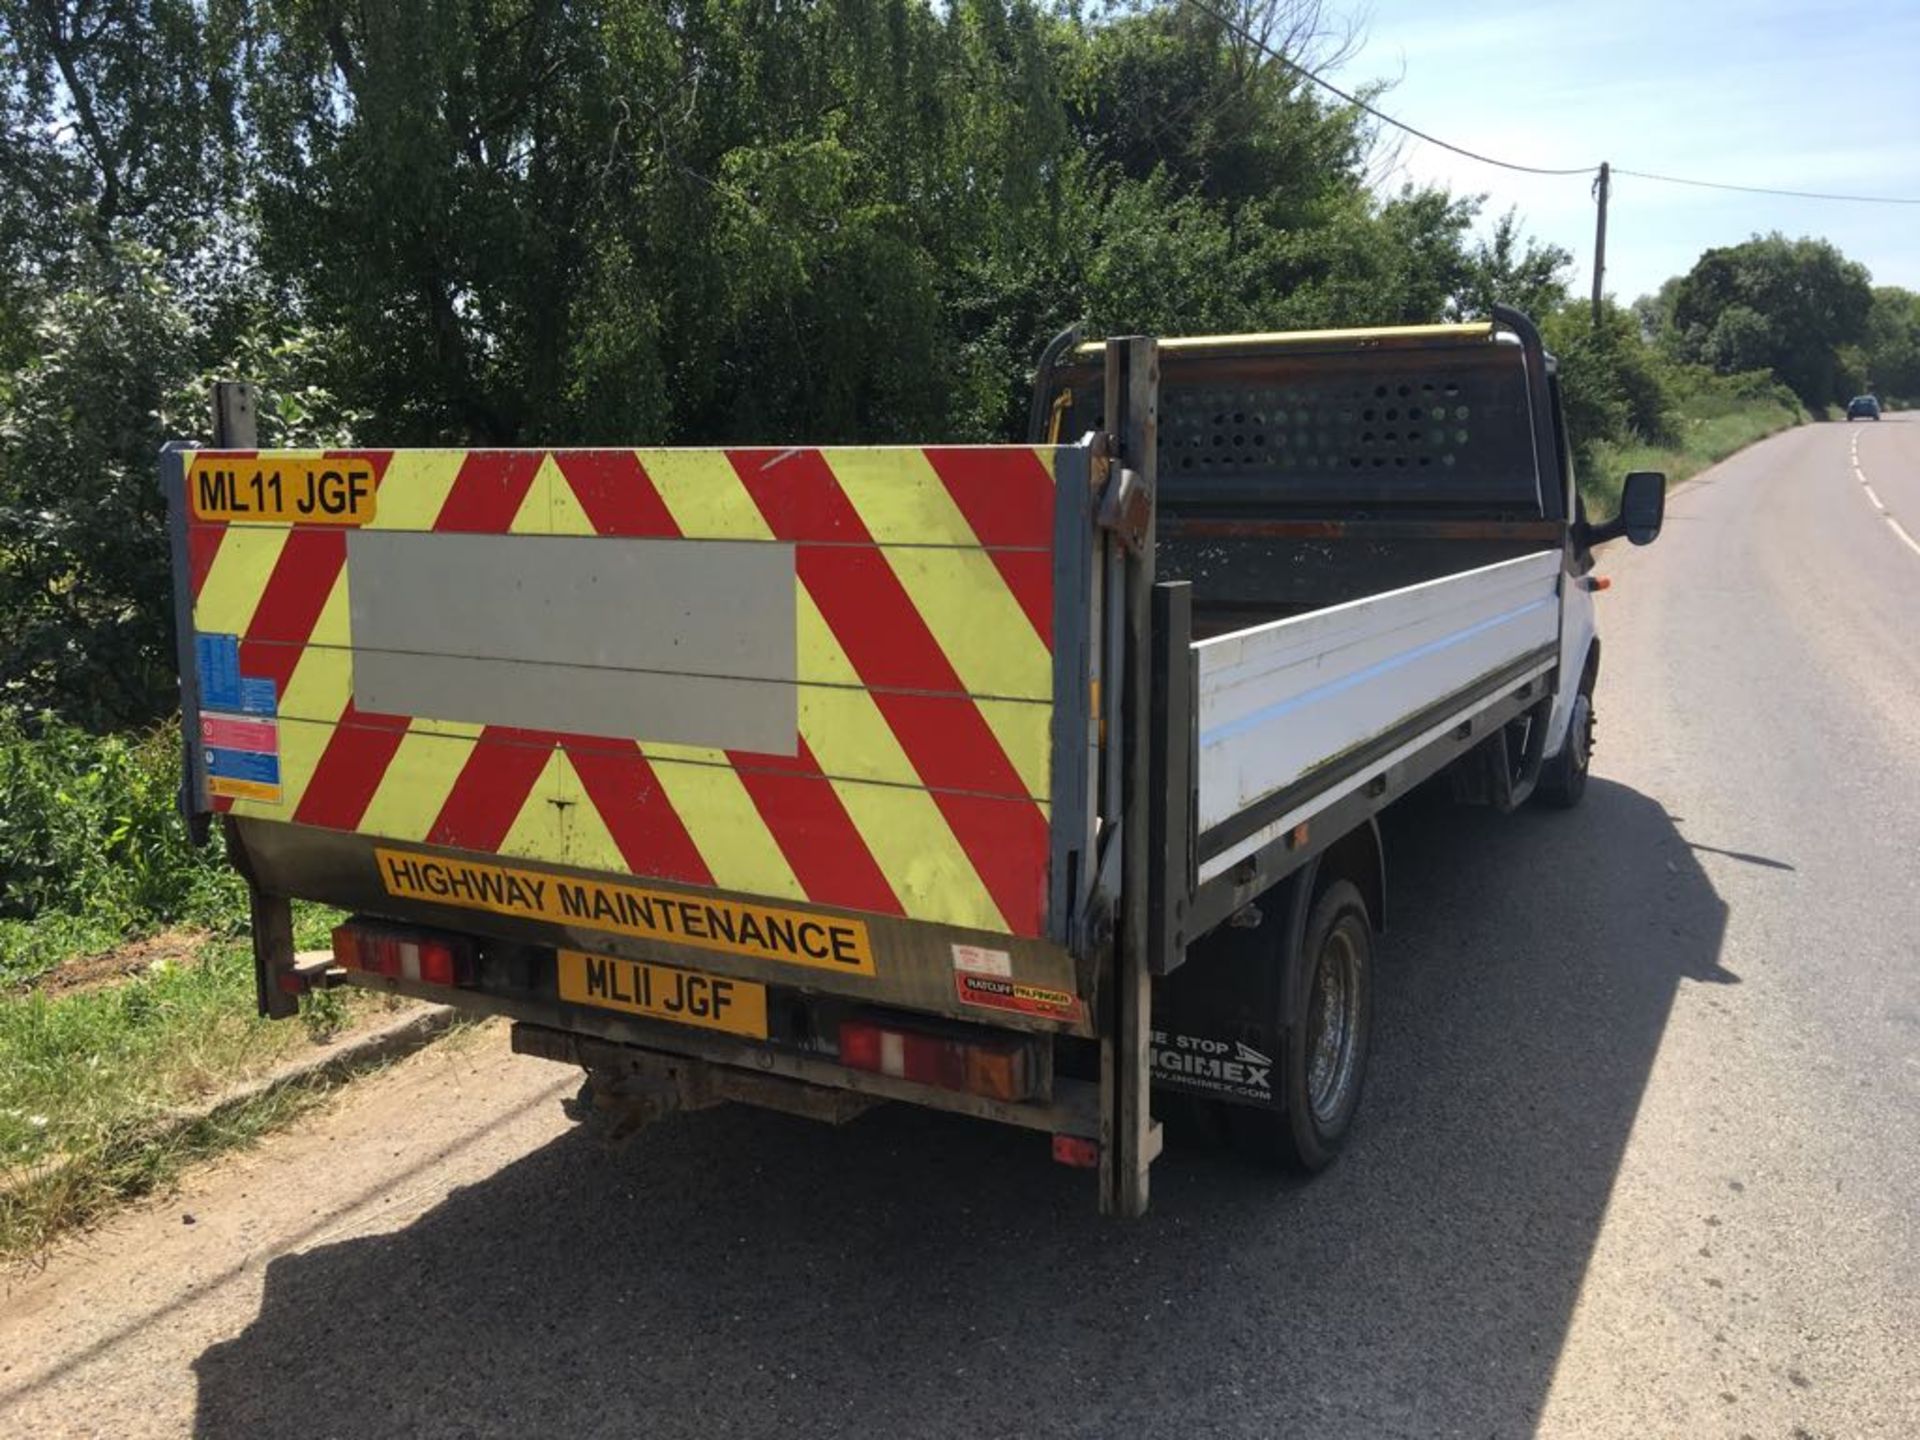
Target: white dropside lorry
{"points": [[1036, 782]]}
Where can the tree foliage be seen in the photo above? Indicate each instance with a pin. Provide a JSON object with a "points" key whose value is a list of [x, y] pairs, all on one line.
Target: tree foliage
{"points": [[1615, 387], [537, 221], [1510, 267], [1891, 355], [580, 221], [850, 221], [1790, 306], [80, 513]]}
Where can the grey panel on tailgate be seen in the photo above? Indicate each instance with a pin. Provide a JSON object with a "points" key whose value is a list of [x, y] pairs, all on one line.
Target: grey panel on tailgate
{"points": [[684, 641]]}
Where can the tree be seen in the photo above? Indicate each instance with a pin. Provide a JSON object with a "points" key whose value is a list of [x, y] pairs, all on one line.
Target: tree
{"points": [[1892, 360], [1654, 313], [116, 146], [1171, 90], [116, 123], [1510, 268], [82, 525], [1785, 305], [578, 221], [1613, 384]]}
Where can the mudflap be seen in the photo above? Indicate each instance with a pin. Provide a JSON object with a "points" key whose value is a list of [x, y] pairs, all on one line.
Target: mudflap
{"points": [[1218, 1019]]}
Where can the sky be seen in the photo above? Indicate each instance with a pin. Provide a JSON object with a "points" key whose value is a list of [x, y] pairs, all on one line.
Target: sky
{"points": [[1797, 96]]}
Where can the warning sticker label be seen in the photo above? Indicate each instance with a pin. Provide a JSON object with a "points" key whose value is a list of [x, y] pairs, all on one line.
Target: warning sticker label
{"points": [[242, 756], [222, 686], [267, 792], [218, 659], [792, 937], [996, 993], [239, 732], [977, 960]]}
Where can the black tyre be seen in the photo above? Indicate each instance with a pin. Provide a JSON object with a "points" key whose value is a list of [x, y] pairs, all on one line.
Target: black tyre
{"points": [[1323, 1059], [1563, 778]]}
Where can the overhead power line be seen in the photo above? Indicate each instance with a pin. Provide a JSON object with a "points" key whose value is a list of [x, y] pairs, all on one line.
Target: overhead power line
{"points": [[1354, 100], [1384, 118], [1768, 189]]}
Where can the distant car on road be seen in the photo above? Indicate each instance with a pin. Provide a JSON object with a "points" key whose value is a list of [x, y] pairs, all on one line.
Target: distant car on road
{"points": [[1863, 407]]}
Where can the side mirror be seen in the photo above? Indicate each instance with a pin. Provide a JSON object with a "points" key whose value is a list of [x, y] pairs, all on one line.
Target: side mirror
{"points": [[1643, 505]]}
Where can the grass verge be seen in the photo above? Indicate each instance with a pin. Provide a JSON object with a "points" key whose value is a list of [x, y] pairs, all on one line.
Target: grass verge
{"points": [[92, 847], [93, 1084], [126, 983], [1701, 440]]}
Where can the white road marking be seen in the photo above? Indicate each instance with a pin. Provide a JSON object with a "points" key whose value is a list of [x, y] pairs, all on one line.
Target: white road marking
{"points": [[1901, 530], [1879, 504]]}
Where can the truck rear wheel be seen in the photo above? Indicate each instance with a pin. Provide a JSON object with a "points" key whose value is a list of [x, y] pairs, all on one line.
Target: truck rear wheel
{"points": [[1324, 1048]]}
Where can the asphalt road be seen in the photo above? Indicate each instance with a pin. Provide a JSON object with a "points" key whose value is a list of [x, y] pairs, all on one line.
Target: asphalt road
{"points": [[1639, 1156]]}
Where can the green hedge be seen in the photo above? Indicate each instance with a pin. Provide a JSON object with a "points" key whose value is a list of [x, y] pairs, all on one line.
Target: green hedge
{"points": [[92, 845]]}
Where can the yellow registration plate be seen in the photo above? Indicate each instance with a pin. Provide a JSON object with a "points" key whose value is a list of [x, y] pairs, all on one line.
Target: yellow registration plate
{"points": [[663, 992], [289, 489]]}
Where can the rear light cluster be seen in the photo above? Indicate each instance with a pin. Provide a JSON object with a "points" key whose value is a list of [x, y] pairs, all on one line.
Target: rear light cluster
{"points": [[1077, 1151], [999, 1067], [425, 955]]}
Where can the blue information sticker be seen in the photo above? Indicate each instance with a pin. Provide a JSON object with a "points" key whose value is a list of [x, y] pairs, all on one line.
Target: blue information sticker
{"points": [[257, 696], [218, 659], [243, 765]]}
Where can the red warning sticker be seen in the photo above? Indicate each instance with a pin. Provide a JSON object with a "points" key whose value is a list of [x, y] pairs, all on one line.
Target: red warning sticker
{"points": [[994, 993]]}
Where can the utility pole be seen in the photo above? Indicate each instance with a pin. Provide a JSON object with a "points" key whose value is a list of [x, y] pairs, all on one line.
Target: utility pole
{"points": [[1601, 184]]}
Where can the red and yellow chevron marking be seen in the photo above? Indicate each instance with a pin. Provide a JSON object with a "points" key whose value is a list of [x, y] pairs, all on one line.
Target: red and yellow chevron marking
{"points": [[924, 598]]}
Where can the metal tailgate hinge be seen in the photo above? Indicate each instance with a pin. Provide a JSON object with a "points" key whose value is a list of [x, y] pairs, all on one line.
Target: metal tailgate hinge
{"points": [[1126, 497], [1103, 904]]}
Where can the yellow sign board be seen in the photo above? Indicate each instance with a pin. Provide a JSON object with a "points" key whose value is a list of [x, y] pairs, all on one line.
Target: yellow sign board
{"points": [[289, 491], [661, 992], [704, 922]]}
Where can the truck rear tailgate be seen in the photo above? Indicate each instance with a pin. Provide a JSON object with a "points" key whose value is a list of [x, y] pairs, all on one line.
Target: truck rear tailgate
{"points": [[792, 710]]}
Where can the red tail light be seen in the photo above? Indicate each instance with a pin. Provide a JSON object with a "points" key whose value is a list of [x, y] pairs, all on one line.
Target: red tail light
{"points": [[1000, 1067], [1077, 1151], [423, 955], [860, 1047]]}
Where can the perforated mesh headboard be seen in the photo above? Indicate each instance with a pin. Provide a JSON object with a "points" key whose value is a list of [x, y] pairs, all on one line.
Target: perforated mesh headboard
{"points": [[1438, 425]]}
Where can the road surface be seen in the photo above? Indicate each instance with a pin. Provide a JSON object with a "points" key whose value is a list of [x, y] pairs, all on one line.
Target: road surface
{"points": [[1640, 1153]]}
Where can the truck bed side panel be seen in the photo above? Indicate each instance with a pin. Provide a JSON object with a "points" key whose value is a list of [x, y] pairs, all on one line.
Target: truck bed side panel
{"points": [[1280, 705]]}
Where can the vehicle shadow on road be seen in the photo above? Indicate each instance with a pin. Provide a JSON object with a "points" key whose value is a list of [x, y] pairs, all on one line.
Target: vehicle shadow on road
{"points": [[738, 1273]]}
